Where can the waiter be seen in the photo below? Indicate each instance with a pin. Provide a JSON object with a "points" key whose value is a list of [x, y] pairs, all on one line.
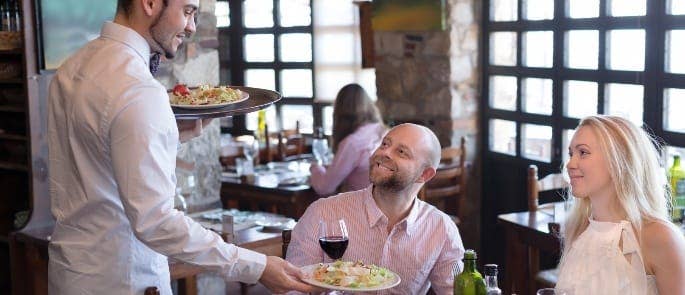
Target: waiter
{"points": [[113, 141]]}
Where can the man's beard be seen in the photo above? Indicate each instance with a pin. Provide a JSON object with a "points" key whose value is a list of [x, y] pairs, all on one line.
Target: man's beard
{"points": [[396, 182], [158, 34]]}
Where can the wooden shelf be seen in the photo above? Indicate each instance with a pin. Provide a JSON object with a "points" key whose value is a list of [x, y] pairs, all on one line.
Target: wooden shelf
{"points": [[13, 166], [12, 136], [12, 109], [14, 81]]}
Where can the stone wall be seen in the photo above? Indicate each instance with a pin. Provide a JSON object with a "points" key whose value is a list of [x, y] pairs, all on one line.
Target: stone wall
{"points": [[197, 62], [432, 78]]}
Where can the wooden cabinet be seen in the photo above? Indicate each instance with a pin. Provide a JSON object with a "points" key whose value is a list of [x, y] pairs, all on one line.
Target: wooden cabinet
{"points": [[23, 126]]}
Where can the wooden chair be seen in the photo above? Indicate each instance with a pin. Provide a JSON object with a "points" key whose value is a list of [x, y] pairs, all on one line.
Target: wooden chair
{"points": [[290, 144], [542, 278], [447, 189]]}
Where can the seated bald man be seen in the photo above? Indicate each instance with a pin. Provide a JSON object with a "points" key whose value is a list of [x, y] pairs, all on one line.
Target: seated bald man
{"points": [[387, 224]]}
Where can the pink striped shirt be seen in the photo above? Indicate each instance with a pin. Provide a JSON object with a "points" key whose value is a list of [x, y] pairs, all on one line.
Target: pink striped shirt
{"points": [[424, 249]]}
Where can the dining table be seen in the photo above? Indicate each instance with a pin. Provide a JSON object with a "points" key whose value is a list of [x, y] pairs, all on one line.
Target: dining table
{"points": [[278, 187], [29, 250]]}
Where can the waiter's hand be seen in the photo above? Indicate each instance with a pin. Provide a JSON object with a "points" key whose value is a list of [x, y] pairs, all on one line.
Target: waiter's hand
{"points": [[189, 129], [280, 276]]}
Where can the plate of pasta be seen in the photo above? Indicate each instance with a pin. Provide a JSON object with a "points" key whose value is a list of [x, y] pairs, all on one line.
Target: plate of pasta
{"points": [[205, 96], [350, 276]]}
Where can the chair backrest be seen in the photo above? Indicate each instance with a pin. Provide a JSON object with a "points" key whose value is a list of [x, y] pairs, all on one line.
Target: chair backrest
{"points": [[286, 241], [550, 182], [290, 142], [447, 189]]}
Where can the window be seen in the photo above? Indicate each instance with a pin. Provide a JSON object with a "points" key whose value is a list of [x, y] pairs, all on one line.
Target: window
{"points": [[268, 44], [550, 63], [305, 49]]}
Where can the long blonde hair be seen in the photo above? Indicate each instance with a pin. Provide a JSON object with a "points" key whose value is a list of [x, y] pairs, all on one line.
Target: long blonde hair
{"points": [[632, 158]]}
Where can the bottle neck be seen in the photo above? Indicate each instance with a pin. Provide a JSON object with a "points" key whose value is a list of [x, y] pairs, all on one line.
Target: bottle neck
{"points": [[676, 162], [491, 281], [469, 265]]}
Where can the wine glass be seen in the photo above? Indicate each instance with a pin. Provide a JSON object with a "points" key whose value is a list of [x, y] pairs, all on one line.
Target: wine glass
{"points": [[320, 150], [550, 291], [250, 150], [333, 238]]}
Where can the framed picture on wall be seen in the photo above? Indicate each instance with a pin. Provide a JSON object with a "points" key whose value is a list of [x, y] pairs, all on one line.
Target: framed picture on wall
{"points": [[66, 25], [408, 15]]}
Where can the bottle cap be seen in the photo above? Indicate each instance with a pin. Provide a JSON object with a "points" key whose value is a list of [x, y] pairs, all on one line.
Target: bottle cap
{"points": [[490, 269], [470, 254]]}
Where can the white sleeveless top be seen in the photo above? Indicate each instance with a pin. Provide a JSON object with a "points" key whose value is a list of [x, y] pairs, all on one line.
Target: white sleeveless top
{"points": [[596, 264]]}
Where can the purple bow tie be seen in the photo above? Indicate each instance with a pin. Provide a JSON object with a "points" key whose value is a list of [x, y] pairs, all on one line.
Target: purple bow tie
{"points": [[154, 62]]}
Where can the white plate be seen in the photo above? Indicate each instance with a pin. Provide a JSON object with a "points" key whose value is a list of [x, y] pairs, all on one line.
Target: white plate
{"points": [[276, 223], [244, 97], [309, 270]]}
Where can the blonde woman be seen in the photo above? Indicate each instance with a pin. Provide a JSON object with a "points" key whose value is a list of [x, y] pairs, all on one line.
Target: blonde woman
{"points": [[618, 237]]}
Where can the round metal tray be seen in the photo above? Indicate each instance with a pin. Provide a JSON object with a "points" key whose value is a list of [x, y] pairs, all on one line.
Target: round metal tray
{"points": [[259, 99]]}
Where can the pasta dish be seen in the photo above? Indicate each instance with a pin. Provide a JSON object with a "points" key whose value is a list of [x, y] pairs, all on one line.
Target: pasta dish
{"points": [[204, 95]]}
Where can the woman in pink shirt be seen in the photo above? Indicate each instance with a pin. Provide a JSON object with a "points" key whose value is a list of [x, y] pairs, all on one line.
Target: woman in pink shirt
{"points": [[357, 131]]}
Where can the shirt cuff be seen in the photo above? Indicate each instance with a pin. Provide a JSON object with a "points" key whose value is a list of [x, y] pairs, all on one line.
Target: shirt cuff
{"points": [[248, 267]]}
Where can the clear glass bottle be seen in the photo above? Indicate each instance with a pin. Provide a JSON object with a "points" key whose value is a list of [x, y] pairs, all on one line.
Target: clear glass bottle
{"points": [[469, 281], [491, 287], [320, 146]]}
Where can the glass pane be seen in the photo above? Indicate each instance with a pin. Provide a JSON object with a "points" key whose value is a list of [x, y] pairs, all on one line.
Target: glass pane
{"points": [[583, 8], [259, 48], [335, 48], [292, 113], [582, 50], [251, 119], [537, 142], [335, 13], [260, 78], [626, 50], [503, 136], [538, 49], [580, 98], [259, 13], [503, 48], [566, 137], [328, 119], [296, 83], [222, 13], [296, 47], [503, 92], [328, 82], [628, 7], [503, 10], [675, 46], [295, 13], [625, 100], [675, 7], [537, 96], [538, 9], [674, 104]]}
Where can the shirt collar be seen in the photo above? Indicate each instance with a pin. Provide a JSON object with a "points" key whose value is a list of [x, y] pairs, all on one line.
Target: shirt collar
{"points": [[374, 214], [128, 37]]}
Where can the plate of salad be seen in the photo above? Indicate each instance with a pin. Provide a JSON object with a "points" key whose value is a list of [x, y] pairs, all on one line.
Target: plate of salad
{"points": [[205, 96], [350, 276]]}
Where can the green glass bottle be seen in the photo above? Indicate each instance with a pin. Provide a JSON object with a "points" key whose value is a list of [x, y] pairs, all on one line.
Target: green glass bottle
{"points": [[469, 281], [676, 177]]}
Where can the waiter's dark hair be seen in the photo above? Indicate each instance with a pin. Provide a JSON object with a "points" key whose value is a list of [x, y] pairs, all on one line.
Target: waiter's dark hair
{"points": [[126, 5]]}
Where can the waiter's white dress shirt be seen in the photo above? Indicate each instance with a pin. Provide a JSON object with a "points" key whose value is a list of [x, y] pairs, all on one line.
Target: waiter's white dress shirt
{"points": [[113, 140], [424, 249]]}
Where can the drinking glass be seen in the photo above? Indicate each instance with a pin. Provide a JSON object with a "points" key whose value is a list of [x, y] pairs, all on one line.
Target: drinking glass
{"points": [[550, 291], [320, 150], [333, 238], [250, 150]]}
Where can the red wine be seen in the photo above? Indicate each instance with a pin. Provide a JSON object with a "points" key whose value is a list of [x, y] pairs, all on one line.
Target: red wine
{"points": [[334, 246]]}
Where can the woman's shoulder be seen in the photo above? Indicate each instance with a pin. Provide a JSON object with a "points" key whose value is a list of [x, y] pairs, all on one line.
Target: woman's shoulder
{"points": [[363, 134], [661, 240]]}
